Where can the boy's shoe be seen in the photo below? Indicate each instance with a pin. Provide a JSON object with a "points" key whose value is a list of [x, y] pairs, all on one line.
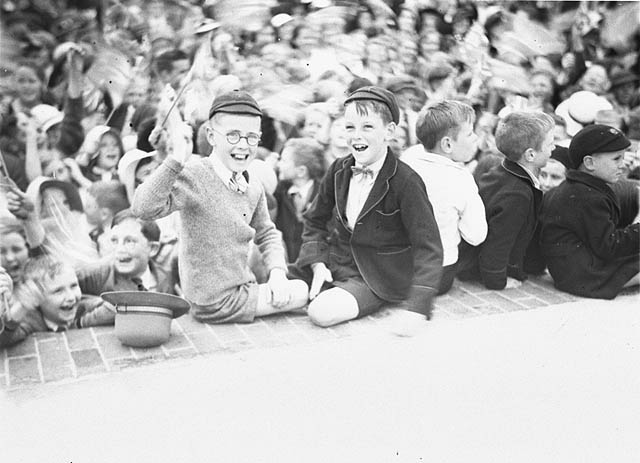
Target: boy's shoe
{"points": [[405, 323]]}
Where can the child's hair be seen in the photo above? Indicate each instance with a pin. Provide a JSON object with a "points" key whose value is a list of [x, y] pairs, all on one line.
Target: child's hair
{"points": [[520, 131], [149, 228], [110, 194], [9, 225], [364, 106], [45, 265], [309, 153], [442, 119]]}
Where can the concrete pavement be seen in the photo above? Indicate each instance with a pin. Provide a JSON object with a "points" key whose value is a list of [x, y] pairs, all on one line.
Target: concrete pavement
{"points": [[557, 384]]}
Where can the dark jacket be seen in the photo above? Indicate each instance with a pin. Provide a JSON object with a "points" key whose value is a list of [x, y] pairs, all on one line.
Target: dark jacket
{"points": [[512, 203], [586, 252], [395, 244], [287, 220]]}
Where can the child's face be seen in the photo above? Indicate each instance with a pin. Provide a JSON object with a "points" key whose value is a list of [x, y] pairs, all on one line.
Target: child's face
{"points": [[236, 157], [61, 295], [560, 133], [543, 154], [53, 200], [27, 84], [367, 135], [287, 165], [465, 145], [143, 172], [14, 253], [109, 152], [552, 175], [338, 134], [317, 125], [91, 209], [131, 248], [608, 166], [541, 87]]}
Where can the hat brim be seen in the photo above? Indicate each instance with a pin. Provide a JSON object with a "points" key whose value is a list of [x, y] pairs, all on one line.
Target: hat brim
{"points": [[239, 108], [70, 191], [176, 304]]}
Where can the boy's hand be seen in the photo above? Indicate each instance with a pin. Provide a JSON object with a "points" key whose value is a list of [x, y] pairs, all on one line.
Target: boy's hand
{"points": [[512, 283], [278, 285], [181, 142], [19, 204], [6, 284], [321, 274]]}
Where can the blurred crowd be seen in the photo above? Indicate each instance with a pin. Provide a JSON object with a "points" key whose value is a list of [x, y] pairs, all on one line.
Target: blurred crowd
{"points": [[86, 88]]}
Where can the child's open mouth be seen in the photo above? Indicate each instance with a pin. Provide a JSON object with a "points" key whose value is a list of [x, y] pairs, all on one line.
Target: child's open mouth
{"points": [[66, 308], [124, 260], [240, 157], [359, 147]]}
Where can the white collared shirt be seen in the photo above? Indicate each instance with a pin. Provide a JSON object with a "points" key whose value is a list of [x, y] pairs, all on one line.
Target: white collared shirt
{"points": [[457, 206], [303, 190], [359, 188], [224, 172], [534, 179]]}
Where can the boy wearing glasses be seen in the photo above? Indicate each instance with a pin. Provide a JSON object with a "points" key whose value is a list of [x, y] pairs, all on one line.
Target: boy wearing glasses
{"points": [[221, 210]]}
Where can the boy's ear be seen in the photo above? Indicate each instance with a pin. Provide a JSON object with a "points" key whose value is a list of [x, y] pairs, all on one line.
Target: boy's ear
{"points": [[390, 131], [445, 144], [588, 162], [209, 133], [529, 155], [154, 248]]}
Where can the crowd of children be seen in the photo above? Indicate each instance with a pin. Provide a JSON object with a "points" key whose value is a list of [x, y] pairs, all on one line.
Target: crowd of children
{"points": [[332, 158]]}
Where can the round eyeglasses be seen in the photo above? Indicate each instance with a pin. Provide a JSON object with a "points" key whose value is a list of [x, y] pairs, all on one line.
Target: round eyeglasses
{"points": [[234, 137]]}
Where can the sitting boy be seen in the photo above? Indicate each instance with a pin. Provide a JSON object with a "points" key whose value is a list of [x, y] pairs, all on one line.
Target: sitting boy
{"points": [[133, 243], [512, 197], [445, 130], [370, 238], [222, 209], [587, 252], [50, 300], [301, 167]]}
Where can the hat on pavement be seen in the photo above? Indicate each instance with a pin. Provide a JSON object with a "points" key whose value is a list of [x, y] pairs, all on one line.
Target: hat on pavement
{"points": [[143, 318], [235, 102], [381, 95], [594, 139]]}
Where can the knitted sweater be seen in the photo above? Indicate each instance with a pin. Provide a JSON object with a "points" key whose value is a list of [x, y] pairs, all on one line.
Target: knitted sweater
{"points": [[217, 226]]}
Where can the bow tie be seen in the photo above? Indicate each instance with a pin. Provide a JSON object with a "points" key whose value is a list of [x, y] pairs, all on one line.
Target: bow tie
{"points": [[364, 171]]}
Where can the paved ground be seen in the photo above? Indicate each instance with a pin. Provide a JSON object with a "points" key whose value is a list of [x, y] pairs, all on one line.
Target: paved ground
{"points": [[54, 357], [558, 384]]}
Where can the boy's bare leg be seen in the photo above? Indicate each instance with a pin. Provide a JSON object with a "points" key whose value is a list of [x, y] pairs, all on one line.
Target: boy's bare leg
{"points": [[298, 297], [634, 281], [333, 306]]}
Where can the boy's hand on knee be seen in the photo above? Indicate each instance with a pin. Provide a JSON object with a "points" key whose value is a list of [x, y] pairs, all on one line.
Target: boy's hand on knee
{"points": [[279, 287], [321, 274], [512, 283]]}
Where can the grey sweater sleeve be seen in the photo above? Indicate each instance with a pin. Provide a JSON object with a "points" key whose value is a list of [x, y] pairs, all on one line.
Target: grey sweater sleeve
{"points": [[268, 238], [156, 197]]}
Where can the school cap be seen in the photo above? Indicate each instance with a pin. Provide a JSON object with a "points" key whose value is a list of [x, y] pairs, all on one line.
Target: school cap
{"points": [[596, 138], [381, 95], [235, 102]]}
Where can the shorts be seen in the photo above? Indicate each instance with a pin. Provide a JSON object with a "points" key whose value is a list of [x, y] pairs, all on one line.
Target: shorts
{"points": [[368, 302], [238, 305]]}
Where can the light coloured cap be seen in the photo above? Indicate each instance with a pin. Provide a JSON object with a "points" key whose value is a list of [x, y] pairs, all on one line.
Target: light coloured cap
{"points": [[46, 116], [127, 169], [281, 19]]}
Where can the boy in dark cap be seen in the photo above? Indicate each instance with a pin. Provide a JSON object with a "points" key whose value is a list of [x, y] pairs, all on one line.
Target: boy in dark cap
{"points": [[222, 210], [586, 251], [370, 238]]}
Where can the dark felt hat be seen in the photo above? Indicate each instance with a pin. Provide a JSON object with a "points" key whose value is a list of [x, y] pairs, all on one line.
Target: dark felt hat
{"points": [[381, 95], [561, 154], [69, 190], [235, 102], [593, 139]]}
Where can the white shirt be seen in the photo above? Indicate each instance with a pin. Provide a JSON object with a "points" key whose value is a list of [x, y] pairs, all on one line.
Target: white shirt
{"points": [[224, 172], [457, 206], [303, 190], [534, 179], [359, 188]]}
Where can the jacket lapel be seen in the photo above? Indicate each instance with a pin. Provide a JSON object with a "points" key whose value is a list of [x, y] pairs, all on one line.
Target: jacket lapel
{"points": [[341, 180], [381, 185]]}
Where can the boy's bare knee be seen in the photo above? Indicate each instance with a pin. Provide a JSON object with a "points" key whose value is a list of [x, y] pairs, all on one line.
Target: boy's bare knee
{"points": [[319, 315], [332, 307]]}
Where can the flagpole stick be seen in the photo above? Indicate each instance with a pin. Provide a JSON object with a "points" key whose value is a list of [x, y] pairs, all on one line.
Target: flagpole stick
{"points": [[175, 101]]}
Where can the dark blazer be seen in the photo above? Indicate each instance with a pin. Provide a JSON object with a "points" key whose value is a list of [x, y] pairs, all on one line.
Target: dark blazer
{"points": [[512, 203], [586, 252], [395, 244], [287, 218]]}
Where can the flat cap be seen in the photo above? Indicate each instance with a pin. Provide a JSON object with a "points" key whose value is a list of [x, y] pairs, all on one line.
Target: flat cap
{"points": [[593, 139], [235, 102], [381, 95]]}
